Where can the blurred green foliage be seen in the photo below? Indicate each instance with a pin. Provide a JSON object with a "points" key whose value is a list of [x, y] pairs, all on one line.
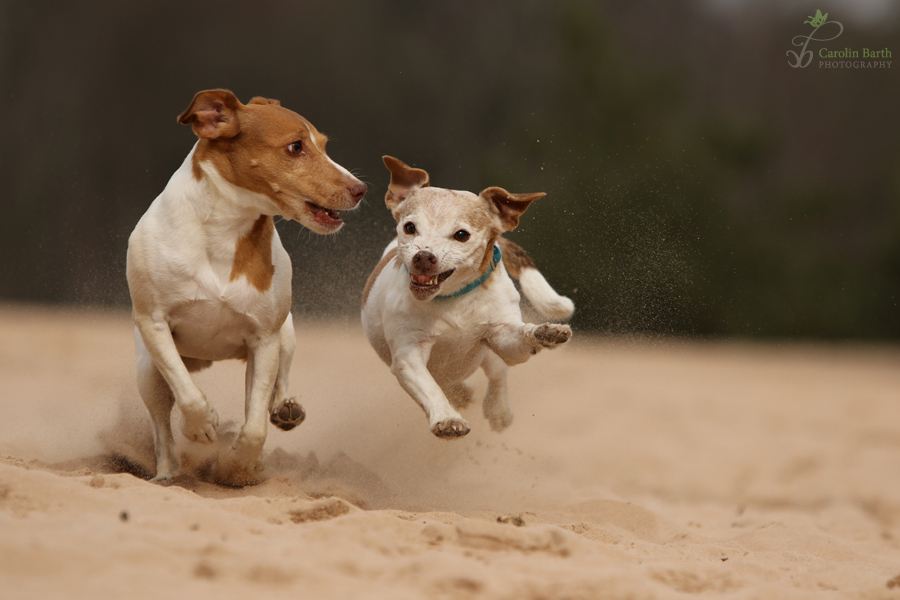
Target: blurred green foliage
{"points": [[696, 183]]}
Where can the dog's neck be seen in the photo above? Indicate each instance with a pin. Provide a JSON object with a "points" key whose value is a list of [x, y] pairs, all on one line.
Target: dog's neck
{"points": [[219, 205], [496, 257]]}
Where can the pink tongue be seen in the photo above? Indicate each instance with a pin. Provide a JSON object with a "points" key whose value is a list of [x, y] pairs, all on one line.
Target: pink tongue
{"points": [[322, 216], [422, 279]]}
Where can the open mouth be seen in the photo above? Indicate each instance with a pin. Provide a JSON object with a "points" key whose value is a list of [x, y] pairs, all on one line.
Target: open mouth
{"points": [[324, 216], [428, 283]]}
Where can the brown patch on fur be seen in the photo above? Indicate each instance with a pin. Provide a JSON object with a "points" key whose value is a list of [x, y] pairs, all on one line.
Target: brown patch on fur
{"points": [[196, 170], [515, 259], [480, 219], [375, 273], [253, 255], [256, 157], [488, 255]]}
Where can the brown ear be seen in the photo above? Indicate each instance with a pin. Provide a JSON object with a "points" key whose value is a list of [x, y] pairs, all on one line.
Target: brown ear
{"points": [[510, 206], [404, 180], [213, 114]]}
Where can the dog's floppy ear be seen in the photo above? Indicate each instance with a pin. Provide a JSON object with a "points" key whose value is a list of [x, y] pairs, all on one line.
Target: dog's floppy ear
{"points": [[213, 114], [404, 180], [509, 206]]}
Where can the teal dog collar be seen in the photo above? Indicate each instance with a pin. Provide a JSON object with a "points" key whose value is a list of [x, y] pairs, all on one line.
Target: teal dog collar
{"points": [[495, 260]]}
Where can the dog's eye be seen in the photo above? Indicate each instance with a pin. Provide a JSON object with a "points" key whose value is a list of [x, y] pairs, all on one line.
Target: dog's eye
{"points": [[295, 148], [461, 236], [409, 228]]}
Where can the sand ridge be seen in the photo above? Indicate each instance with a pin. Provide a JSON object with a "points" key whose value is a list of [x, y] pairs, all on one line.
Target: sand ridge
{"points": [[634, 469]]}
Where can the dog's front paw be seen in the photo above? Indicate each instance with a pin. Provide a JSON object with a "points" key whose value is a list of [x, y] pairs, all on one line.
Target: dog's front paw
{"points": [[450, 428], [550, 335], [288, 415], [200, 423]]}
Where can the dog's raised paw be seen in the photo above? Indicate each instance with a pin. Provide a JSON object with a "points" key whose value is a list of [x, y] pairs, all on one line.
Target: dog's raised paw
{"points": [[288, 416], [200, 425], [449, 428], [550, 335]]}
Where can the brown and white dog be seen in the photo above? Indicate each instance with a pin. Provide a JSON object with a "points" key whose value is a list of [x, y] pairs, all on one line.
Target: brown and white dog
{"points": [[441, 303], [209, 278]]}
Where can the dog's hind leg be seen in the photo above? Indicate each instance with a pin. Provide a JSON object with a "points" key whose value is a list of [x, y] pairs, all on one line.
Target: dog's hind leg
{"points": [[496, 402], [285, 413], [159, 400]]}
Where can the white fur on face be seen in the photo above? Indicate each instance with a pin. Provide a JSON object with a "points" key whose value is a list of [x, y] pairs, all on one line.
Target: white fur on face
{"points": [[437, 215]]}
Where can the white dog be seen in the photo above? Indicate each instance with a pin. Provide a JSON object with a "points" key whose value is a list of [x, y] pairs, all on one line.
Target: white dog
{"points": [[441, 302], [208, 275]]}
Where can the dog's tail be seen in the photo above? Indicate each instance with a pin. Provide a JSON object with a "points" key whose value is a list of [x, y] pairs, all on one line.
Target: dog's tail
{"points": [[543, 297]]}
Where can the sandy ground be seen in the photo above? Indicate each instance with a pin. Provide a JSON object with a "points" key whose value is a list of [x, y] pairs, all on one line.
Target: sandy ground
{"points": [[633, 470]]}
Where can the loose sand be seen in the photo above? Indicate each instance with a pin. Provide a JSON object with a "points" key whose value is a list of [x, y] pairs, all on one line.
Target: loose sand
{"points": [[633, 470]]}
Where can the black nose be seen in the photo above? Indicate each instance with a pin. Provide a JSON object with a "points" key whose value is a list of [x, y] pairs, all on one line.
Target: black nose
{"points": [[358, 191], [424, 260]]}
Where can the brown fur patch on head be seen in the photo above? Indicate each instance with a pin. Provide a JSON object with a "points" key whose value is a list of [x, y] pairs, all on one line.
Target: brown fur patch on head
{"points": [[391, 254], [259, 160], [515, 259], [477, 215], [253, 255]]}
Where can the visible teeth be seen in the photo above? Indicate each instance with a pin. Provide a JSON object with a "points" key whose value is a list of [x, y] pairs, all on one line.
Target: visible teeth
{"points": [[433, 280]]}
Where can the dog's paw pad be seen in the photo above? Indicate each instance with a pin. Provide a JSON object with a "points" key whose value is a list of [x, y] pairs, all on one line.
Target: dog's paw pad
{"points": [[288, 416], [450, 428], [550, 335]]}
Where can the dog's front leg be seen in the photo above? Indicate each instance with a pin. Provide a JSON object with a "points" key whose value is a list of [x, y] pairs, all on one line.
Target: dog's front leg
{"points": [[517, 342], [285, 413], [262, 370], [200, 418], [410, 366]]}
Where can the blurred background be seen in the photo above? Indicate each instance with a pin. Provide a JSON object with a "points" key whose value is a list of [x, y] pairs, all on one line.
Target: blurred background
{"points": [[697, 184]]}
